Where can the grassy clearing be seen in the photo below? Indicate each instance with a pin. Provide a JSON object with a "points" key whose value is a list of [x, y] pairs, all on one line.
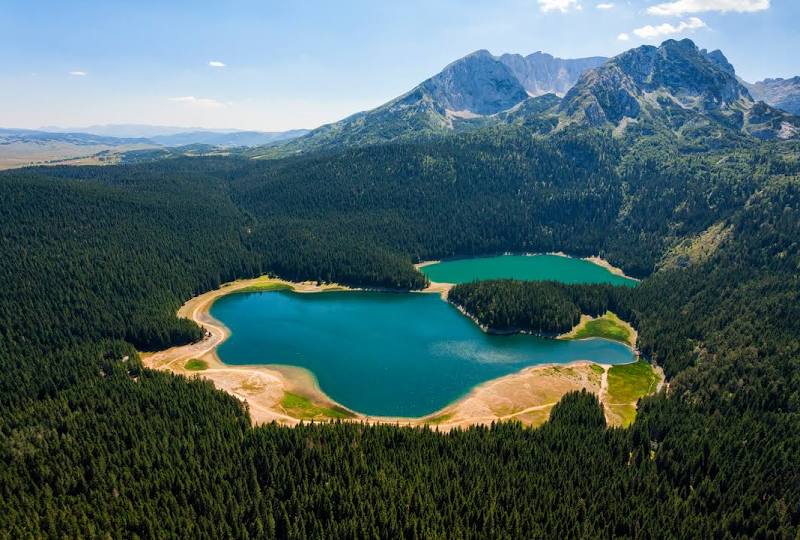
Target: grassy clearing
{"points": [[302, 407], [195, 364], [625, 412], [628, 383], [609, 326], [267, 285]]}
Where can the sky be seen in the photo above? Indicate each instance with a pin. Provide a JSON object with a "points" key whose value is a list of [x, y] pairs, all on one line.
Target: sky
{"points": [[277, 65]]}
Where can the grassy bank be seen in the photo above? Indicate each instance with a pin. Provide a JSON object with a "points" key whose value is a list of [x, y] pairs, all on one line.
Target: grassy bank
{"points": [[626, 384], [303, 408], [609, 326]]}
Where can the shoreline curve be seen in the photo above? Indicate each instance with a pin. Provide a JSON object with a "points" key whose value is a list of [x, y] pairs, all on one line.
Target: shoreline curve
{"points": [[526, 395]]}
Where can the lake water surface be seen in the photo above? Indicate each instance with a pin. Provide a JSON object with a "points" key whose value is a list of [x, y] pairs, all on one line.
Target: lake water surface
{"points": [[524, 267], [388, 354]]}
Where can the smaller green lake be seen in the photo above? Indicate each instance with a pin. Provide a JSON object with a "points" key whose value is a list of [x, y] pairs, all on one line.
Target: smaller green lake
{"points": [[523, 267]]}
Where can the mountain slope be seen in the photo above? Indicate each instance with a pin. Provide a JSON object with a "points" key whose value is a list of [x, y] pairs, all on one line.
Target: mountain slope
{"points": [[541, 73], [466, 93], [782, 94], [674, 87]]}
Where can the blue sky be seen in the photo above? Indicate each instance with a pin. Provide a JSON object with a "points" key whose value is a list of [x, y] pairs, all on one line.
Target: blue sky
{"points": [[291, 64]]}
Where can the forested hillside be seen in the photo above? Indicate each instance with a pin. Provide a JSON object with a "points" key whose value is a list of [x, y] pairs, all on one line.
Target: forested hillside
{"points": [[97, 260]]}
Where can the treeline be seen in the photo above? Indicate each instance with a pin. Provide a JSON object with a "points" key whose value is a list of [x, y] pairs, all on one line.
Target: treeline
{"points": [[540, 307], [97, 259], [115, 450]]}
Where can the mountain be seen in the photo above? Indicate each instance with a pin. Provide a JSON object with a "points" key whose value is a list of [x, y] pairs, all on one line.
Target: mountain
{"points": [[541, 73], [674, 87], [466, 93], [782, 94]]}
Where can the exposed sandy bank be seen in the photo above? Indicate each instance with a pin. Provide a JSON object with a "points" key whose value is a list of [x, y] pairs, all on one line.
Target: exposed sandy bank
{"points": [[526, 396], [608, 266]]}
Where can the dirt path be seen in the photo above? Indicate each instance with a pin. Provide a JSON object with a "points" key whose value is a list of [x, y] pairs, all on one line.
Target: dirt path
{"points": [[603, 392]]}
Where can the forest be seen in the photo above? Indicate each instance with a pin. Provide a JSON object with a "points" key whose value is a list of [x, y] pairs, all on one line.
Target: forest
{"points": [[96, 261]]}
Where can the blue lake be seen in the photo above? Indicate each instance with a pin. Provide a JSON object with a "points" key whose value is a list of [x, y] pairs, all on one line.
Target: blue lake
{"points": [[387, 354]]}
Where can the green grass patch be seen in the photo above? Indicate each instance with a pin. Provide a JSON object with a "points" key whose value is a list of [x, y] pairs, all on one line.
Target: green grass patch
{"points": [[302, 407], [196, 364], [626, 413], [608, 326], [597, 369], [264, 287], [628, 382]]}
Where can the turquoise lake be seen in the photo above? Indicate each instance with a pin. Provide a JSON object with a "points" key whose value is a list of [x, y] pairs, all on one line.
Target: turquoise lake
{"points": [[387, 354], [524, 267]]}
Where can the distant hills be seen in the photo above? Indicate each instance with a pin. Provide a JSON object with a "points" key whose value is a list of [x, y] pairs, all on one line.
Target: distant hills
{"points": [[227, 139], [177, 136], [20, 147]]}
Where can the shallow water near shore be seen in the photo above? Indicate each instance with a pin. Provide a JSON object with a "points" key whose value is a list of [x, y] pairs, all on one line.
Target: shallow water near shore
{"points": [[523, 267], [386, 354]]}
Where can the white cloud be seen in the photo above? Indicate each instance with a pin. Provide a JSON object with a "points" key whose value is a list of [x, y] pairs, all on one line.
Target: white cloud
{"points": [[216, 64], [78, 73], [205, 103], [559, 5], [623, 37], [608, 5], [680, 7], [666, 29]]}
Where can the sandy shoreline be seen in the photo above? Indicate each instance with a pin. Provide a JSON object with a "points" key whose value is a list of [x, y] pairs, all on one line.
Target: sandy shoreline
{"points": [[594, 259], [526, 396]]}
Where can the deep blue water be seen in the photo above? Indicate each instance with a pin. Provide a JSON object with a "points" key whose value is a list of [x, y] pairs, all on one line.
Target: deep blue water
{"points": [[386, 354]]}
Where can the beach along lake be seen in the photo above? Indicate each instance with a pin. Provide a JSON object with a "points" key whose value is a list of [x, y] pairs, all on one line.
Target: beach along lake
{"points": [[386, 354], [523, 267]]}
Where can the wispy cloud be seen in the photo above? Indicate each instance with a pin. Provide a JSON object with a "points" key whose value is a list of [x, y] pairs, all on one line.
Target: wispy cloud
{"points": [[605, 5], [216, 64], [666, 29], [623, 36], [78, 73], [206, 103], [681, 7], [559, 5]]}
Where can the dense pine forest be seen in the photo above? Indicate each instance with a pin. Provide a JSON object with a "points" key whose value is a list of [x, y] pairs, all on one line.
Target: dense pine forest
{"points": [[96, 261]]}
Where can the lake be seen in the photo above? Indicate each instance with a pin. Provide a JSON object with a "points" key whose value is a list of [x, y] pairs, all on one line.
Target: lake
{"points": [[387, 354], [523, 267]]}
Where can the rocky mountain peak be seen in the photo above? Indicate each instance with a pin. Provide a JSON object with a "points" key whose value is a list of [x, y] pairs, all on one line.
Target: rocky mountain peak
{"points": [[676, 73], [477, 84]]}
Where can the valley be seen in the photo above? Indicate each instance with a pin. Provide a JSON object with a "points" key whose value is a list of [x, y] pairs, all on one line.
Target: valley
{"points": [[312, 334]]}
